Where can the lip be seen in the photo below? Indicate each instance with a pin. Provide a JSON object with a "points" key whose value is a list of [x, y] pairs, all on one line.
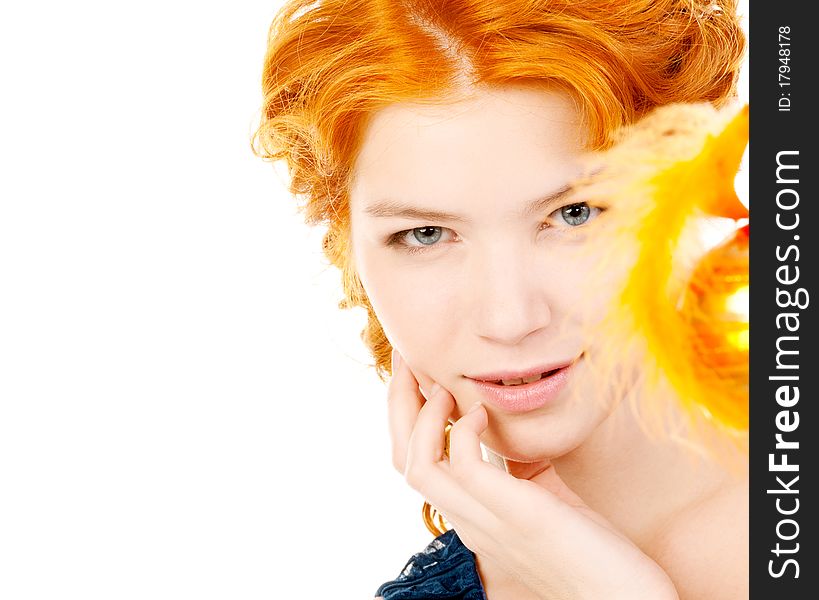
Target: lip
{"points": [[537, 370], [528, 396]]}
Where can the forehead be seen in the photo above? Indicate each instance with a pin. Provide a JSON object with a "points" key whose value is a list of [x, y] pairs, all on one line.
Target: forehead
{"points": [[503, 141]]}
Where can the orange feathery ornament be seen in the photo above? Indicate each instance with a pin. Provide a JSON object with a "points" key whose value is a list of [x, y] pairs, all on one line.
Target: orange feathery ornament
{"points": [[683, 308], [716, 307]]}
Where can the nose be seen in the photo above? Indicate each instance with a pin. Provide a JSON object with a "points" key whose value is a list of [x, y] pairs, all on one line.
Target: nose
{"points": [[508, 294]]}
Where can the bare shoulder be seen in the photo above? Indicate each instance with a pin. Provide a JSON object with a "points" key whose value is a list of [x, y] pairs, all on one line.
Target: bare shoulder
{"points": [[705, 548]]}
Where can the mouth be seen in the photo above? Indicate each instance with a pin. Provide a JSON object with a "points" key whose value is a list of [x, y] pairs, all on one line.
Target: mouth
{"points": [[516, 378], [514, 381], [523, 391]]}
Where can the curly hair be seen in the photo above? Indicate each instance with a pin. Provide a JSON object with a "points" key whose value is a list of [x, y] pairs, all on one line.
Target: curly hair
{"points": [[331, 64]]}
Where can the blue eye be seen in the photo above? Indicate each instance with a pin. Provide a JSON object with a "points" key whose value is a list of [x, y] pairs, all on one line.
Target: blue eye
{"points": [[427, 235], [576, 214], [420, 239]]}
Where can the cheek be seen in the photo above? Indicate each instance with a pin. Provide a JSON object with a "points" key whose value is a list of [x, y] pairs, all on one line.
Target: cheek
{"points": [[590, 279], [416, 308], [570, 280]]}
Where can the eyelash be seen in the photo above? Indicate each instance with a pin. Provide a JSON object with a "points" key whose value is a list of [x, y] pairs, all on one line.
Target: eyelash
{"points": [[397, 239]]}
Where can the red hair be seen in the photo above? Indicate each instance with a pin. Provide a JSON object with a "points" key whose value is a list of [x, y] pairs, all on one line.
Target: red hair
{"points": [[331, 64]]}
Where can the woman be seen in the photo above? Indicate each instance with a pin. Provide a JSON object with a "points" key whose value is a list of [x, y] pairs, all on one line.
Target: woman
{"points": [[442, 143]]}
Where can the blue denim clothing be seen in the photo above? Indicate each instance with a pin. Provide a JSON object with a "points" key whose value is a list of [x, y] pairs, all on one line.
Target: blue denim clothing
{"points": [[444, 570]]}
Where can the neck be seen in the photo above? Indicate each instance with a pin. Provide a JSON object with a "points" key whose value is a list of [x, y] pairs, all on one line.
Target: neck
{"points": [[639, 480]]}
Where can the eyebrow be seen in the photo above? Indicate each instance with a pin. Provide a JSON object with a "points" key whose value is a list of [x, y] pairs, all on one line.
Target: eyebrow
{"points": [[395, 208]]}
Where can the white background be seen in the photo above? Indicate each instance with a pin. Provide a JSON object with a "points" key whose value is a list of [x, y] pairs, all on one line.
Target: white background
{"points": [[184, 412]]}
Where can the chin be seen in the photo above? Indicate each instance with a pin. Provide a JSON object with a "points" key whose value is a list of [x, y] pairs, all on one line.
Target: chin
{"points": [[532, 443]]}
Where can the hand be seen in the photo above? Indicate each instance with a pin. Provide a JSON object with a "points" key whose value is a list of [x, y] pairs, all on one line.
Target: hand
{"points": [[536, 531]]}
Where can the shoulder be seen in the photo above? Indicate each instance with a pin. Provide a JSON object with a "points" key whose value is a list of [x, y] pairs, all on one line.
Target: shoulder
{"points": [[704, 549], [445, 570]]}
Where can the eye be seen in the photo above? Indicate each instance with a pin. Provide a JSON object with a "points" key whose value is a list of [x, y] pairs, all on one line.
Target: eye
{"points": [[574, 215], [427, 235], [419, 239]]}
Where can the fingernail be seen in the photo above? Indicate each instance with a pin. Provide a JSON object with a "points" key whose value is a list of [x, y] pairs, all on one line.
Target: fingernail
{"points": [[434, 390], [395, 360], [474, 407]]}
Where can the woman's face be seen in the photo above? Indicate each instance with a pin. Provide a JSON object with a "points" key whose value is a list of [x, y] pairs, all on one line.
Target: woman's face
{"points": [[475, 261]]}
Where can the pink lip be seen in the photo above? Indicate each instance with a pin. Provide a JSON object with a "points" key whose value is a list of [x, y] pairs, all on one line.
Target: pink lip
{"points": [[498, 375], [528, 396]]}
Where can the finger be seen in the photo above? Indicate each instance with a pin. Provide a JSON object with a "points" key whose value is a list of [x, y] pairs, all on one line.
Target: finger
{"points": [[426, 444], [464, 441], [464, 512], [478, 478], [404, 401], [493, 487], [428, 473]]}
